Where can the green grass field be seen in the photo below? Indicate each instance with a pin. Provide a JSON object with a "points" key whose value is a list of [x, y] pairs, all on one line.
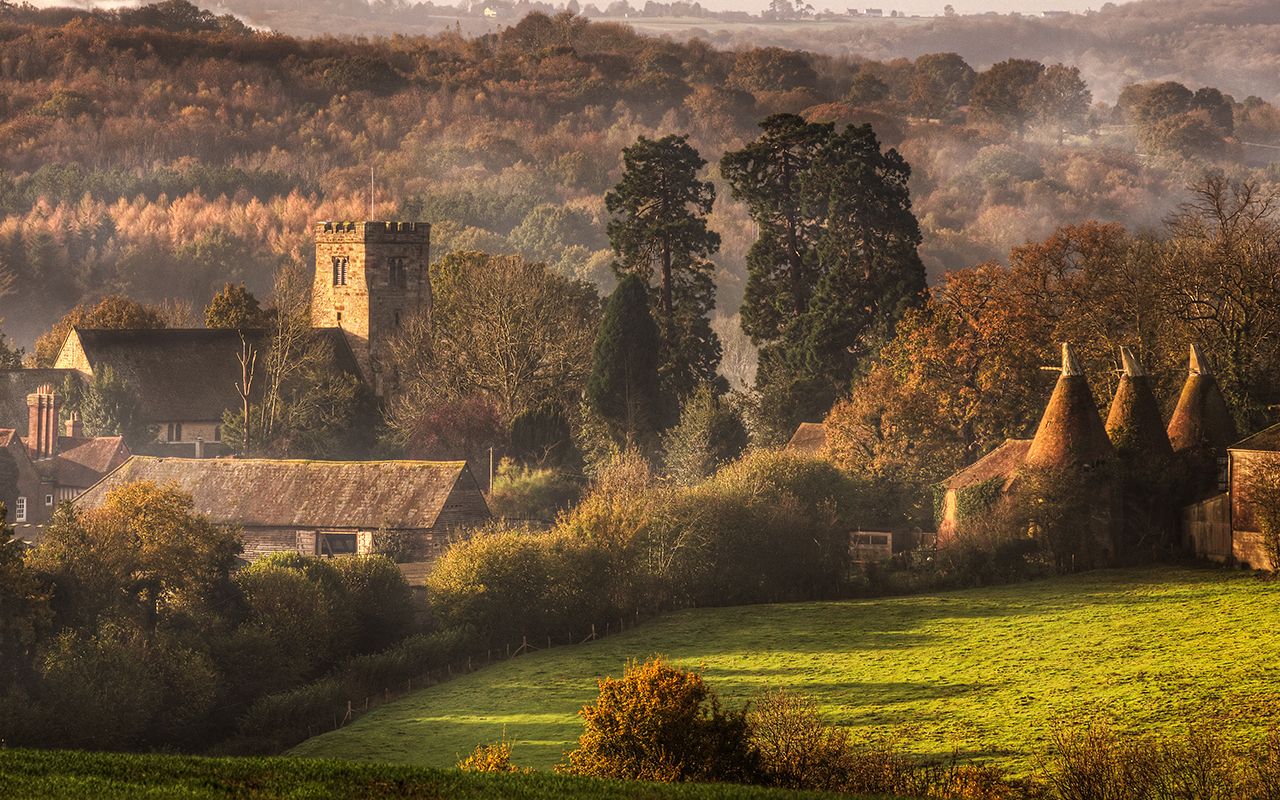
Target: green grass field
{"points": [[68, 775], [988, 672]]}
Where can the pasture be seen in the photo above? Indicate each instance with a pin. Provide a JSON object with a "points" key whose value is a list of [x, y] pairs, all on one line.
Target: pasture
{"points": [[985, 672], [71, 775]]}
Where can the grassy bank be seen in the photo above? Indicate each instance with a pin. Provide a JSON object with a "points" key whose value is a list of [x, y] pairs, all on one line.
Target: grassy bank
{"points": [[54, 775], [988, 671]]}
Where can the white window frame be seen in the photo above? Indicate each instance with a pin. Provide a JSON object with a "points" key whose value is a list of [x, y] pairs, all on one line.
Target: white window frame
{"points": [[20, 510], [48, 499]]}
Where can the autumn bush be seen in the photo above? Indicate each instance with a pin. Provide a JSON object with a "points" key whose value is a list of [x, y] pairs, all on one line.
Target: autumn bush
{"points": [[660, 723], [494, 757]]}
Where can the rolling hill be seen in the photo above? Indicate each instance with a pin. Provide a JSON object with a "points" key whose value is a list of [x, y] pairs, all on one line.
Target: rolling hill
{"points": [[989, 672]]}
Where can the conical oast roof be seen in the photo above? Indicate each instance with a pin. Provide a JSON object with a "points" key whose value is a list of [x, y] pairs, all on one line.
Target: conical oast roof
{"points": [[1071, 432], [1134, 424], [1201, 419]]}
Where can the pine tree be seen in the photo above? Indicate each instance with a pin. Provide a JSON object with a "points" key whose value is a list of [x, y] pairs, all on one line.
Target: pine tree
{"points": [[624, 386], [835, 264], [659, 224]]}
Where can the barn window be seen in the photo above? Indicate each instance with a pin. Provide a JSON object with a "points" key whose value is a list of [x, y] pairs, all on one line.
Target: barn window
{"points": [[340, 270], [20, 510], [335, 544], [48, 499]]}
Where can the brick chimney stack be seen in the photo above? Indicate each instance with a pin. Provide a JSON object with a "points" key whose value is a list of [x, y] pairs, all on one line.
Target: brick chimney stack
{"points": [[75, 427], [42, 422]]}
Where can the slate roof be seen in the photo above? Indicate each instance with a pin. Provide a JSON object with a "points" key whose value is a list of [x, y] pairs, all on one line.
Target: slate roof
{"points": [[1001, 462], [188, 374], [16, 384], [271, 493], [810, 438]]}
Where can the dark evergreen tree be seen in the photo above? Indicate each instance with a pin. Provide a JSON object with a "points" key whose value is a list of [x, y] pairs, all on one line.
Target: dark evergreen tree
{"points": [[541, 437], [624, 387], [659, 225], [835, 264]]}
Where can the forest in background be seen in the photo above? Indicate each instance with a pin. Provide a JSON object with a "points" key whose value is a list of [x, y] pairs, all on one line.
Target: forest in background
{"points": [[1227, 43], [160, 152]]}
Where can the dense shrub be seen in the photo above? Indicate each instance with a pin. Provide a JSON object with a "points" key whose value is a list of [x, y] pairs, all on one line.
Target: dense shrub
{"points": [[659, 723], [277, 721], [379, 600], [489, 758], [770, 527]]}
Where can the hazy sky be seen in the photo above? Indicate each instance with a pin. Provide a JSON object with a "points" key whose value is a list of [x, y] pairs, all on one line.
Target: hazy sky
{"points": [[905, 6], [922, 6]]}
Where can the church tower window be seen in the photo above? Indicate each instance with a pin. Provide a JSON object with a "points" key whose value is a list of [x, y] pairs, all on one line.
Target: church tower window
{"points": [[340, 270]]}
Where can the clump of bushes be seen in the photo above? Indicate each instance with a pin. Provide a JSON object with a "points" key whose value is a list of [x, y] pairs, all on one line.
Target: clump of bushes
{"points": [[661, 723], [532, 494], [770, 527]]}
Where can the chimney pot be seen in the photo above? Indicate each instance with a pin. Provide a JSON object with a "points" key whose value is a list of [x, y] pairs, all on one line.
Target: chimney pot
{"points": [[75, 427]]}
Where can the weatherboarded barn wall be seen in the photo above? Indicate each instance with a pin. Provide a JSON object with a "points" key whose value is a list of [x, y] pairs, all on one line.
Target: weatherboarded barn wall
{"points": [[319, 507], [1207, 527]]}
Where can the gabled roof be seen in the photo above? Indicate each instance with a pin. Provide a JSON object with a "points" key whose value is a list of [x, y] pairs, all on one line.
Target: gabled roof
{"points": [[187, 374], [86, 462], [16, 384], [1070, 432], [810, 438], [281, 493], [1002, 462], [1266, 440]]}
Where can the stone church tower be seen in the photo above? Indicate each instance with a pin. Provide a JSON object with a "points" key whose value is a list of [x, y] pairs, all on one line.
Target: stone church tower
{"points": [[371, 277]]}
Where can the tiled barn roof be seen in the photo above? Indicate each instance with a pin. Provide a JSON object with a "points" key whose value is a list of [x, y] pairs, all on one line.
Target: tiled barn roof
{"points": [[1001, 462], [87, 460], [1201, 420], [300, 494], [1134, 424]]}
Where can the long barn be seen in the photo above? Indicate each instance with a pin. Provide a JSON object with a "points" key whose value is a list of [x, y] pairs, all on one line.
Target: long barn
{"points": [[320, 508]]}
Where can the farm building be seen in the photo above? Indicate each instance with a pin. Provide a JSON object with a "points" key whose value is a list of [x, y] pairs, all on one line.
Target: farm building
{"points": [[1201, 428], [321, 508], [1070, 435], [977, 486], [1225, 527]]}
